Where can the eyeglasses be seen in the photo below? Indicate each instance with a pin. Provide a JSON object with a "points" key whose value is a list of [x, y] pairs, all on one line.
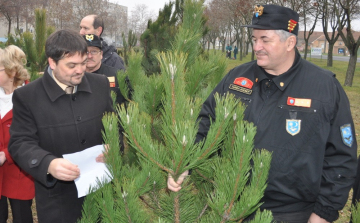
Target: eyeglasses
{"points": [[94, 52]]}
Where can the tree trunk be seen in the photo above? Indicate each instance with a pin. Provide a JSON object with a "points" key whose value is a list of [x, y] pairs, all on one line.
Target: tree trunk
{"points": [[330, 54], [306, 48], [9, 27], [351, 69]]}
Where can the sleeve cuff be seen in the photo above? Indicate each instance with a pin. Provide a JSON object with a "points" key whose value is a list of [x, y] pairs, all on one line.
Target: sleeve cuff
{"points": [[326, 213], [49, 180]]}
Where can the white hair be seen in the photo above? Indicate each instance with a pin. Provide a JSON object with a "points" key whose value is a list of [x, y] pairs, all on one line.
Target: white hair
{"points": [[284, 35]]}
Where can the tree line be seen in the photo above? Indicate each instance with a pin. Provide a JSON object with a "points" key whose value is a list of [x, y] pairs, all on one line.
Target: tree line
{"points": [[225, 18]]}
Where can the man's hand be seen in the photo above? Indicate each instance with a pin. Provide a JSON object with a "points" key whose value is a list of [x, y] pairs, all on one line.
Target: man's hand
{"points": [[101, 158], [2, 158], [62, 169], [176, 186], [314, 218]]}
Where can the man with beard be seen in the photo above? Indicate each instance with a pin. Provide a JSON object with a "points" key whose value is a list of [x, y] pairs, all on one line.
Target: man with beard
{"points": [[303, 117], [94, 24], [59, 113], [94, 65]]}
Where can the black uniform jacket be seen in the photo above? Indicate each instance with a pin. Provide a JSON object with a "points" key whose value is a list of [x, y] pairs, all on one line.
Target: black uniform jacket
{"points": [[312, 165], [48, 123], [111, 72]]}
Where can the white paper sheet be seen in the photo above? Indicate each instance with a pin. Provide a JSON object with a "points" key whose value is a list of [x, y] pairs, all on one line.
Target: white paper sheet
{"points": [[90, 170]]}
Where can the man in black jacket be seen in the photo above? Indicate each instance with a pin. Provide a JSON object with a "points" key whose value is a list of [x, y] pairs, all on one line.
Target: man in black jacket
{"points": [[93, 24], [57, 114], [95, 65], [303, 117]]}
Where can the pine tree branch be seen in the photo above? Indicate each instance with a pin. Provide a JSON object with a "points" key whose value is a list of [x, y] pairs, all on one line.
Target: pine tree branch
{"points": [[203, 176], [181, 160], [173, 105], [177, 209], [107, 212], [126, 207], [207, 151], [147, 155], [226, 215], [202, 212], [143, 185]]}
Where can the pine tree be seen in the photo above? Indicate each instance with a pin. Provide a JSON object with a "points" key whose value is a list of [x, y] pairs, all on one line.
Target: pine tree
{"points": [[160, 124], [34, 44], [128, 44], [158, 35]]}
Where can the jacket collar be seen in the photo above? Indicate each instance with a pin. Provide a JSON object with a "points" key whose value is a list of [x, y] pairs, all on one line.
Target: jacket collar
{"points": [[54, 91]]}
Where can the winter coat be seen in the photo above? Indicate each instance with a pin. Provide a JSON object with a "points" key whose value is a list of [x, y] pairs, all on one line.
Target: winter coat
{"points": [[111, 58], [48, 123]]}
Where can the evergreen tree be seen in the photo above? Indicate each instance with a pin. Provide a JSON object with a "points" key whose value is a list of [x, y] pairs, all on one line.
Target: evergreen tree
{"points": [[160, 124], [33, 45], [158, 35], [128, 44]]}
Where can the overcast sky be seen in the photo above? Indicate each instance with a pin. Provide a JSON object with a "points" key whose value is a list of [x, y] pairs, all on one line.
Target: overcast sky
{"points": [[154, 5]]}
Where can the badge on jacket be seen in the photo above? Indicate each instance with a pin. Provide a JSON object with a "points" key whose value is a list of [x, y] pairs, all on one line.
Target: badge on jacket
{"points": [[301, 102], [346, 135], [243, 82], [243, 85], [293, 126], [112, 81]]}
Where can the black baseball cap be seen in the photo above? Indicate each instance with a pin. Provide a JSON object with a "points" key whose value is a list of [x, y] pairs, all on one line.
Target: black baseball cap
{"points": [[93, 40], [274, 17]]}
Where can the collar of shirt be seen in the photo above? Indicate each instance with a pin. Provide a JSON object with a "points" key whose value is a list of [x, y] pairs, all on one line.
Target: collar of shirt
{"points": [[61, 85]]}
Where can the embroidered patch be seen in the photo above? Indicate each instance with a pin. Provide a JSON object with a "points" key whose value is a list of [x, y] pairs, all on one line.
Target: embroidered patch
{"points": [[112, 81], [89, 37], [244, 82], [346, 135], [291, 25], [293, 126], [240, 89]]}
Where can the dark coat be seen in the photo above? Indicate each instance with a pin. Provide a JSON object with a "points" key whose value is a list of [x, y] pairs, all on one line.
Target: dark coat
{"points": [[313, 166], [48, 123], [111, 72], [111, 58]]}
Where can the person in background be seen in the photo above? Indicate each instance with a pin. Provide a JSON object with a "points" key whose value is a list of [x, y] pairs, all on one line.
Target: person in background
{"points": [[228, 51], [59, 113], [302, 116], [235, 52], [94, 65], [16, 186], [94, 24]]}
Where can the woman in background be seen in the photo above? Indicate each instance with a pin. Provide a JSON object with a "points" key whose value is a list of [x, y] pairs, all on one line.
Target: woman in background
{"points": [[15, 185]]}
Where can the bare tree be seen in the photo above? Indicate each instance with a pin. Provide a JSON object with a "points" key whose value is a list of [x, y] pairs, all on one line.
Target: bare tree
{"points": [[309, 12], [60, 14], [212, 23], [139, 18], [348, 9], [329, 19], [7, 9]]}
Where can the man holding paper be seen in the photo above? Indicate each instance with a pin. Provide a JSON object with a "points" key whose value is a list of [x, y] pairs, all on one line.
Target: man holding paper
{"points": [[59, 113]]}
